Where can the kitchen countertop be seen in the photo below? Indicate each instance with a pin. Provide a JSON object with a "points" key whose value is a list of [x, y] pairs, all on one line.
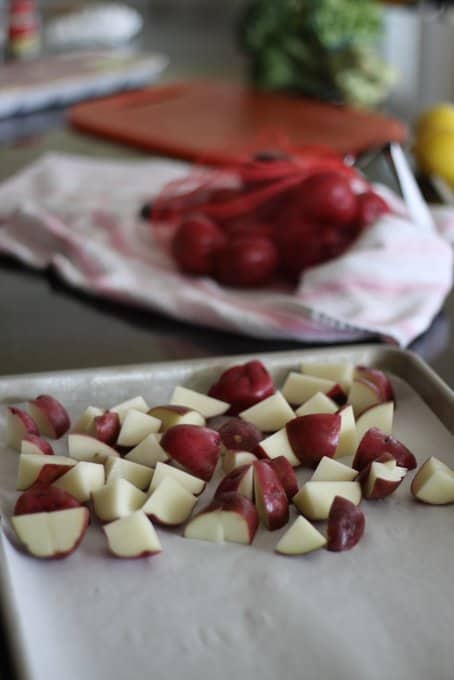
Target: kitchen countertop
{"points": [[47, 326]]}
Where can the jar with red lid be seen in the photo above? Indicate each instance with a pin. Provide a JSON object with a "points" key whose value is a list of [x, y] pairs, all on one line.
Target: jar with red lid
{"points": [[24, 30]]}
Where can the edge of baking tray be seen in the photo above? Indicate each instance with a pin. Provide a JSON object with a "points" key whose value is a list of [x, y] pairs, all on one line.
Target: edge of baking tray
{"points": [[402, 363], [10, 615]]}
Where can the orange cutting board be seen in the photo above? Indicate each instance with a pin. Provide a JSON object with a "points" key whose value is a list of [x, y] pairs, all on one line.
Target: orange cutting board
{"points": [[214, 121]]}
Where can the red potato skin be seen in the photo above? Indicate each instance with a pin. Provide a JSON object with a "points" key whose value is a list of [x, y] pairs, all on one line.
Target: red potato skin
{"points": [[285, 474], [382, 487], [314, 436], [48, 474], [247, 261], [375, 443], [364, 473], [300, 247], [243, 386], [238, 435], [235, 502], [379, 379], [260, 453], [338, 395], [106, 427], [195, 245], [27, 421], [196, 448], [232, 481], [157, 520], [145, 553], [55, 413], [328, 198], [346, 523], [41, 443], [370, 206], [273, 497], [44, 499]]}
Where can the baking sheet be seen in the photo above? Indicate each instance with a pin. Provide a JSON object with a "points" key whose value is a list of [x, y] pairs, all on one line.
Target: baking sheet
{"points": [[202, 610]]}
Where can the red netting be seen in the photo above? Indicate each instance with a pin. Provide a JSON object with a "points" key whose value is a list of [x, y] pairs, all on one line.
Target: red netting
{"points": [[270, 214]]}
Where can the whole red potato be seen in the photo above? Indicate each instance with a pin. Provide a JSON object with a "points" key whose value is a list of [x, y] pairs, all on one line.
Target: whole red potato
{"points": [[300, 246], [247, 261], [328, 198], [370, 206], [195, 245]]}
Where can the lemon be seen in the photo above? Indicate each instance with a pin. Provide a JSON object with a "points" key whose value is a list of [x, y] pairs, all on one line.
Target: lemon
{"points": [[434, 153], [440, 117]]}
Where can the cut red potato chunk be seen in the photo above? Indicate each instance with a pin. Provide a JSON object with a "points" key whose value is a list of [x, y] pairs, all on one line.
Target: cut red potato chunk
{"points": [[86, 447], [209, 407], [86, 420], [285, 474], [370, 387], [269, 415], [44, 499], [314, 436], [380, 416], [346, 525], [298, 387], [19, 425], [51, 535], [270, 498], [434, 483], [234, 459], [207, 524], [347, 435], [136, 426], [375, 443], [50, 416], [378, 378], [170, 503], [318, 403], [41, 469], [278, 444], [82, 480], [381, 478], [314, 499], [363, 394], [330, 470], [118, 498], [149, 452], [171, 415], [243, 385], [230, 517], [139, 475], [136, 403], [106, 427], [240, 480], [132, 536], [194, 447], [31, 443], [301, 538], [194, 485], [338, 372], [238, 435]]}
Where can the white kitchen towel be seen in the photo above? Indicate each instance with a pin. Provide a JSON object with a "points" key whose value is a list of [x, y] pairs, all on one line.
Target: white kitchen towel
{"points": [[80, 216]]}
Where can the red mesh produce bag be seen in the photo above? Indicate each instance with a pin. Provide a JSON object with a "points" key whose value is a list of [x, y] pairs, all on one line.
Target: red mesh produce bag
{"points": [[303, 202]]}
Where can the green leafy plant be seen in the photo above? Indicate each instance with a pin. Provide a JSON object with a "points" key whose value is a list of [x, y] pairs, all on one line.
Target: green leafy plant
{"points": [[321, 48]]}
